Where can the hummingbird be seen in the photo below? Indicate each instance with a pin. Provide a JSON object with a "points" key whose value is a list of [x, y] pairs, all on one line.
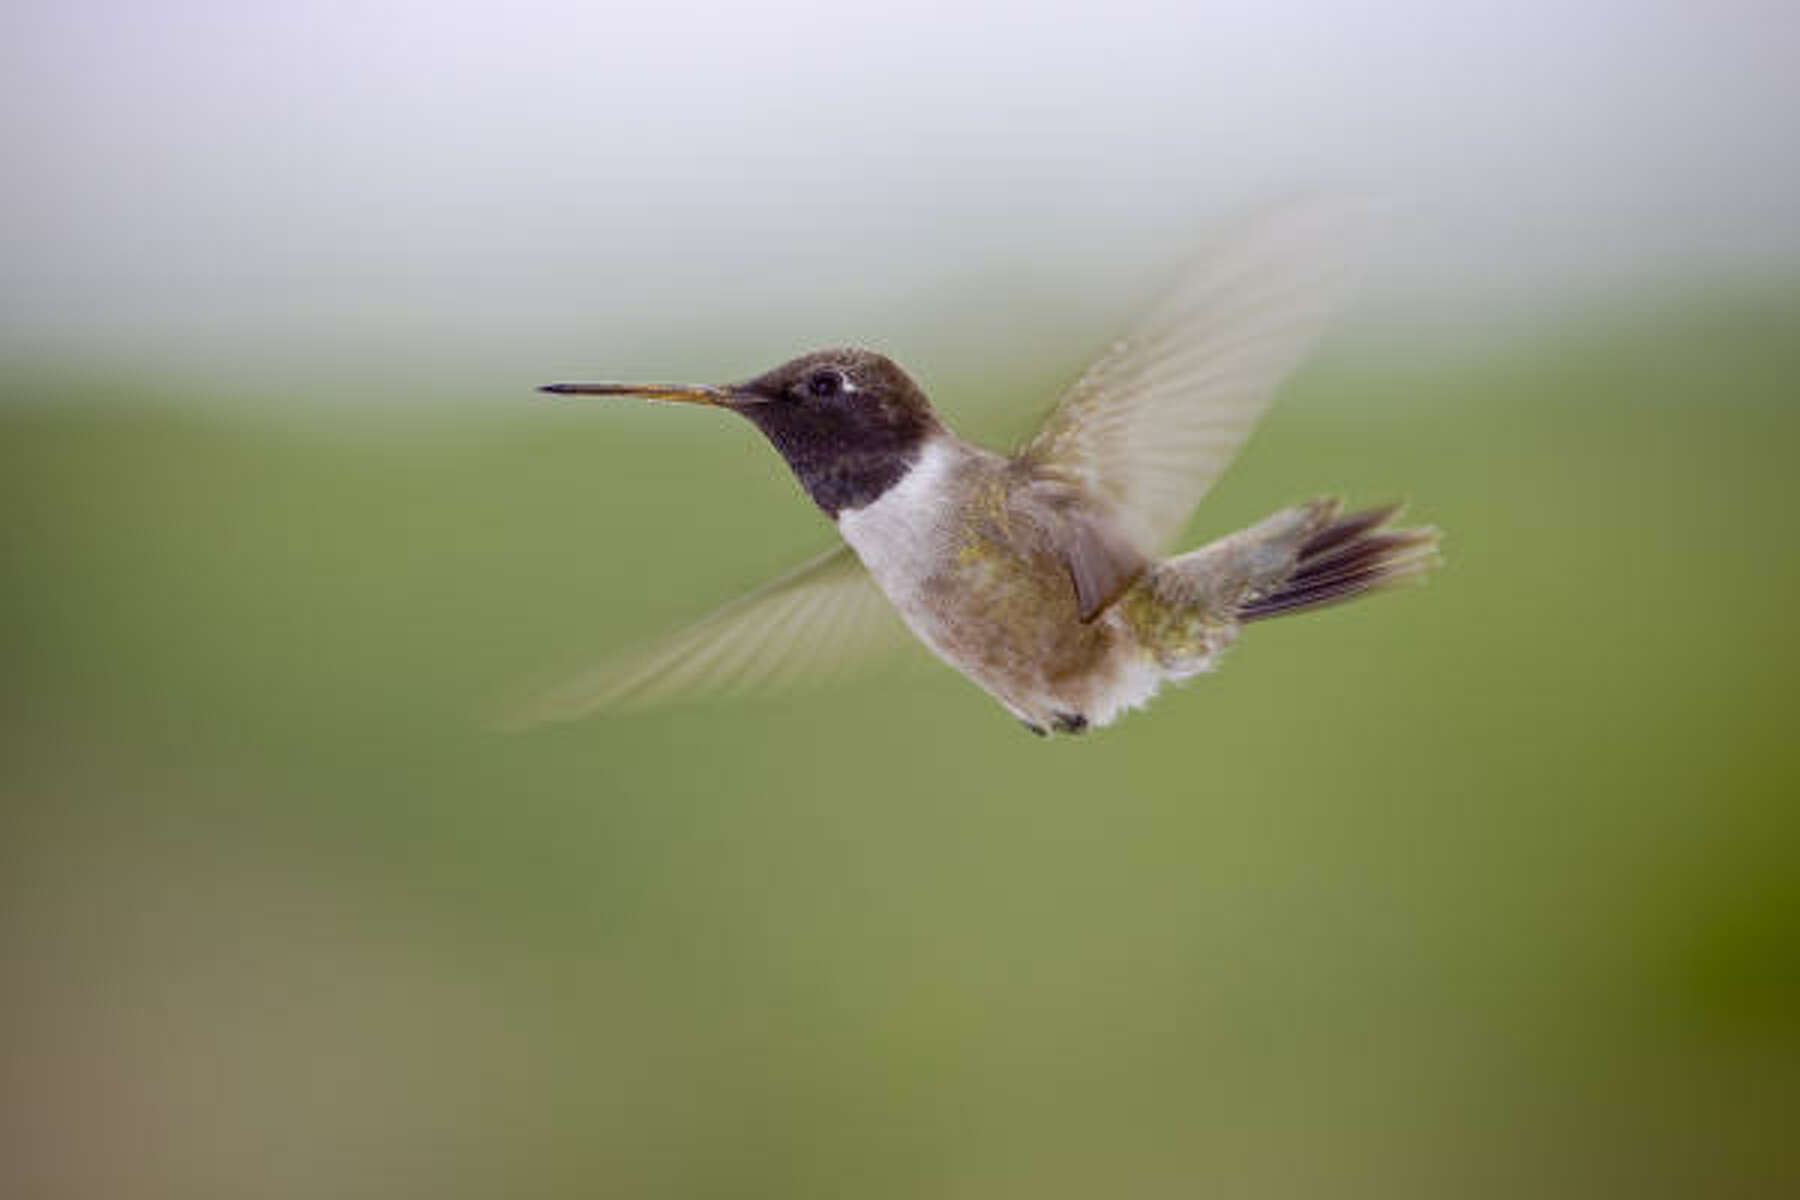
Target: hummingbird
{"points": [[1039, 574]]}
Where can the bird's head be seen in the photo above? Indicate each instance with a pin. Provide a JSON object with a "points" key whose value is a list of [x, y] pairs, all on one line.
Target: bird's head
{"points": [[850, 423]]}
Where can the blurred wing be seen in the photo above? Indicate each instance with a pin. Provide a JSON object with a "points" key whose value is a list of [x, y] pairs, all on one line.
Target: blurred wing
{"points": [[1156, 421], [800, 627]]}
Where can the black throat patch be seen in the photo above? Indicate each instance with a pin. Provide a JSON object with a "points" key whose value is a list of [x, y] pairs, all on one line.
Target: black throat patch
{"points": [[844, 458]]}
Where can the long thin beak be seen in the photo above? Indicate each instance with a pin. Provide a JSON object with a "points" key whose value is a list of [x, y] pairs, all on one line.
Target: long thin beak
{"points": [[679, 393]]}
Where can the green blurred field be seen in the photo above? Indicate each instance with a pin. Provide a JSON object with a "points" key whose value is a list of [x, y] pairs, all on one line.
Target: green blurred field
{"points": [[1489, 888]]}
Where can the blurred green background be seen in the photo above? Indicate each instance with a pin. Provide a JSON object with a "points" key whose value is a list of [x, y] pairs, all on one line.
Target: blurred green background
{"points": [[1483, 889]]}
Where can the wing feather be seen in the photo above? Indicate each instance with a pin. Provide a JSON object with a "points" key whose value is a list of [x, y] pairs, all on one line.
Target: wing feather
{"points": [[798, 628], [1156, 420]]}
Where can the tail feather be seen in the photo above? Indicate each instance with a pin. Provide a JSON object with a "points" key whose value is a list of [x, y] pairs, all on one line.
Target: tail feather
{"points": [[1348, 557], [1355, 557], [1342, 529]]}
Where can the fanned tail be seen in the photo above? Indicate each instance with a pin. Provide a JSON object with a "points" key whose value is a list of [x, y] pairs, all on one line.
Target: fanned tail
{"points": [[1348, 557]]}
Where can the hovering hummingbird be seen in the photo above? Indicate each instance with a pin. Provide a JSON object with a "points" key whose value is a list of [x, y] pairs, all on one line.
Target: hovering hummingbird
{"points": [[1037, 574]]}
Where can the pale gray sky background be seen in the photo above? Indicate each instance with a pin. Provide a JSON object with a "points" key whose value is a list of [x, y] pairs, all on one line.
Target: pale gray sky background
{"points": [[415, 195]]}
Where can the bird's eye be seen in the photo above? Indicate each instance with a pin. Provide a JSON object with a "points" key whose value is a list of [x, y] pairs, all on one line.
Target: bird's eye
{"points": [[825, 383]]}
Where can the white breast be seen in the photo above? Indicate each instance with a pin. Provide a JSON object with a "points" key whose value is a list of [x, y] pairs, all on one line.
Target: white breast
{"points": [[899, 534]]}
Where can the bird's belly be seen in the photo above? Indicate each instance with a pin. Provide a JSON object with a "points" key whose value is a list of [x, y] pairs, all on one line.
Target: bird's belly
{"points": [[1025, 643], [1007, 620]]}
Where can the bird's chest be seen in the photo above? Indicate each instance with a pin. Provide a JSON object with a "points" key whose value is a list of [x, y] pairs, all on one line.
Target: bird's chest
{"points": [[986, 604], [914, 540], [904, 540]]}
